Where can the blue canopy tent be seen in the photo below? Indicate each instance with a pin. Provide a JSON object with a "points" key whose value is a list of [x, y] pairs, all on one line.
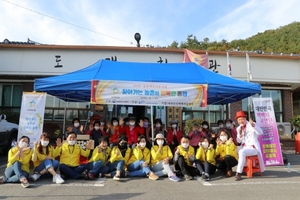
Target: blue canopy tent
{"points": [[76, 86]]}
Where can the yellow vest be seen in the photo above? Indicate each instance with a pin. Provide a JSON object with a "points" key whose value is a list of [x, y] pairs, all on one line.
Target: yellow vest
{"points": [[140, 154], [41, 156], [157, 156], [25, 161], [100, 156], [208, 155], [114, 157], [190, 151], [70, 154], [225, 149]]}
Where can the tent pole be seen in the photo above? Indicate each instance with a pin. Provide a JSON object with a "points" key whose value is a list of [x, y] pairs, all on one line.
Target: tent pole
{"points": [[152, 131], [208, 115], [65, 111]]}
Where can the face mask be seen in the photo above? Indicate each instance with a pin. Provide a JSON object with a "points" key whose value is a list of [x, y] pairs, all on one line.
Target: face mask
{"points": [[185, 145], [223, 138], [160, 142], [204, 145], [76, 124], [97, 128], [71, 142], [221, 126], [157, 125], [205, 126], [44, 143], [143, 144], [228, 125], [127, 123], [23, 144], [115, 123], [102, 123], [131, 123], [146, 124], [174, 125]]}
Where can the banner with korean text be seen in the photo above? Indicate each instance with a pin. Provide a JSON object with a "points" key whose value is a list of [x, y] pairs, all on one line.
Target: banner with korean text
{"points": [[32, 115], [269, 141], [148, 93]]}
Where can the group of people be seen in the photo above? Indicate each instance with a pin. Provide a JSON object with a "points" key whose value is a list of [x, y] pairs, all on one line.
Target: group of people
{"points": [[126, 150]]}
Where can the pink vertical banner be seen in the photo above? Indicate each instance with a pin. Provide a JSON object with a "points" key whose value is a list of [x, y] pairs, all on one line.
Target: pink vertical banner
{"points": [[269, 140]]}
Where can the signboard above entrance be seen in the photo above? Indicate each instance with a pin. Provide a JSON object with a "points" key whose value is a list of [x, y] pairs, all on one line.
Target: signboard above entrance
{"points": [[148, 93]]}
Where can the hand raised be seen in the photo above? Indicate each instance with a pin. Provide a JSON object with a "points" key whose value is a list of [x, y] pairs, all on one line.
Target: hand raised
{"points": [[58, 142], [89, 144], [141, 123]]}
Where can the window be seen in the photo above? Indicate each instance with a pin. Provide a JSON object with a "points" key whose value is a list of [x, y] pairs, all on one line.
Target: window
{"points": [[11, 96], [213, 115], [277, 103]]}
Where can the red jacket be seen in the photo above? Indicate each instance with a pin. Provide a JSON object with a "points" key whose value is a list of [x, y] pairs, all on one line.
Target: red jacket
{"points": [[170, 136], [137, 131], [115, 133]]}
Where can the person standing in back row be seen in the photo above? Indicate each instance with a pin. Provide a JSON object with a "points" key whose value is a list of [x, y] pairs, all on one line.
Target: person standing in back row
{"points": [[248, 133], [174, 135]]}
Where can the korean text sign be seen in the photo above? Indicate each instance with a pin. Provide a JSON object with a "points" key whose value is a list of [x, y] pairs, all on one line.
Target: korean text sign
{"points": [[269, 141], [148, 93], [32, 115]]}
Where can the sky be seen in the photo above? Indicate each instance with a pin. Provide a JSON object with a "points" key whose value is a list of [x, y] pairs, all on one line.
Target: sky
{"points": [[160, 22]]}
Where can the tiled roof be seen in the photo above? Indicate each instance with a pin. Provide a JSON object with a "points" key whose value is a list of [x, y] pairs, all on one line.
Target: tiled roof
{"points": [[29, 42]]}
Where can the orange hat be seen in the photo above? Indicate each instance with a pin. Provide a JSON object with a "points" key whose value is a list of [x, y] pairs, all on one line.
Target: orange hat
{"points": [[240, 114]]}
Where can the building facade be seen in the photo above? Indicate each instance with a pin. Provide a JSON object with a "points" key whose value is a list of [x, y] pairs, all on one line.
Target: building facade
{"points": [[20, 64]]}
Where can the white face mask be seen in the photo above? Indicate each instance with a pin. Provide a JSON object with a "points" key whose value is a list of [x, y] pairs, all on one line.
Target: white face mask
{"points": [[204, 145], [221, 126], [205, 126], [131, 123], [143, 144], [228, 125], [126, 123], [71, 142], [44, 143], [157, 125], [102, 123], [97, 128], [76, 124], [115, 123], [185, 145], [174, 125], [160, 142], [23, 144], [223, 138]]}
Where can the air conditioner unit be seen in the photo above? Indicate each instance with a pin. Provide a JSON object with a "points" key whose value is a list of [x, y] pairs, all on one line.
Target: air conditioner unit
{"points": [[284, 129]]}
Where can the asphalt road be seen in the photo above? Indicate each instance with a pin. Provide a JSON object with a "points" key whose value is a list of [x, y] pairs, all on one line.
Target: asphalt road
{"points": [[276, 183]]}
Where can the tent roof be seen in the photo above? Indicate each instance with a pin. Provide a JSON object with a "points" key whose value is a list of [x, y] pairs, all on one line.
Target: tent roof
{"points": [[76, 86]]}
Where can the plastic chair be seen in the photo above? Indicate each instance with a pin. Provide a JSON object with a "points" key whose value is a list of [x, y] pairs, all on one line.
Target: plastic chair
{"points": [[252, 166]]}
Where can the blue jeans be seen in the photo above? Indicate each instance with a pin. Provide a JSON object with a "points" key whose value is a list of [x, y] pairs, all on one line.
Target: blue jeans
{"points": [[136, 169], [116, 166], [97, 167], [14, 173], [73, 172], [46, 164]]}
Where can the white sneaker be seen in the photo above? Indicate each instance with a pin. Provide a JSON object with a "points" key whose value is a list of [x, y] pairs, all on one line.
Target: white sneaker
{"points": [[174, 178], [54, 179], [59, 180], [35, 177]]}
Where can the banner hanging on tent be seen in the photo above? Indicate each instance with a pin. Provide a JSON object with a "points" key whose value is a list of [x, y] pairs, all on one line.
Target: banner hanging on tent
{"points": [[32, 115], [148, 93], [269, 140]]}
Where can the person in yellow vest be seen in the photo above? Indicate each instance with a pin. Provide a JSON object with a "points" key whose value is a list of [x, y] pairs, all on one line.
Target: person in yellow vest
{"points": [[184, 158], [161, 154], [97, 163], [70, 156], [43, 158], [119, 157], [18, 167], [138, 164], [206, 159], [226, 152]]}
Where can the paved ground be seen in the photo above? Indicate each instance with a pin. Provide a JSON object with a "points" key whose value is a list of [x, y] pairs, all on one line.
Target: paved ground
{"points": [[276, 183]]}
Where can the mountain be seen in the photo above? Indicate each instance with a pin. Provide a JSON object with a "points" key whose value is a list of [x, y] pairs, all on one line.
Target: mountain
{"points": [[285, 39]]}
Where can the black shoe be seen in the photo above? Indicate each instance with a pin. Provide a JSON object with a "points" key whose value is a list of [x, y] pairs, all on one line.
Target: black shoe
{"points": [[188, 177], [206, 178], [203, 176]]}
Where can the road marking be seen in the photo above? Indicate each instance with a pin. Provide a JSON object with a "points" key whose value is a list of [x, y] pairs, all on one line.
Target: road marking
{"points": [[205, 183]]}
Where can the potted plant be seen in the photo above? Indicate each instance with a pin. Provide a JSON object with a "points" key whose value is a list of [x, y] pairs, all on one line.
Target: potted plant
{"points": [[295, 121], [190, 123]]}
